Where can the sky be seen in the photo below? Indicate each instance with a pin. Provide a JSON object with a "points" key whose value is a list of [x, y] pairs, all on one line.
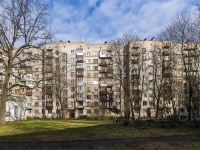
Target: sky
{"points": [[97, 21]]}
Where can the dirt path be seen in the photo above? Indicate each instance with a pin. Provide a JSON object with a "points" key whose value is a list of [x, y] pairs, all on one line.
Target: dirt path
{"points": [[90, 144]]}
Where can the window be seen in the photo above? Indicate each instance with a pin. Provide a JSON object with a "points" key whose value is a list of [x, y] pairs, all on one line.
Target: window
{"points": [[72, 67], [29, 111], [72, 52], [88, 89], [79, 65], [88, 54], [64, 55], [88, 61], [79, 51], [96, 103], [79, 72], [96, 111], [29, 104], [95, 61], [88, 103], [72, 59], [36, 103], [95, 53], [36, 90], [96, 96], [88, 111], [144, 103], [72, 74], [79, 80], [88, 75], [95, 82], [95, 88], [95, 67], [80, 111], [88, 96], [64, 92], [49, 111], [88, 82], [36, 111], [64, 70], [88, 68], [95, 75], [80, 88], [16, 112]]}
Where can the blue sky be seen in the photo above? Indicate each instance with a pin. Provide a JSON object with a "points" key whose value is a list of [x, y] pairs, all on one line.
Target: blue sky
{"points": [[98, 21]]}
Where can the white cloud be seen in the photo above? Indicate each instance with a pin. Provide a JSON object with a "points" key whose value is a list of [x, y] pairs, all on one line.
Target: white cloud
{"points": [[102, 22]]}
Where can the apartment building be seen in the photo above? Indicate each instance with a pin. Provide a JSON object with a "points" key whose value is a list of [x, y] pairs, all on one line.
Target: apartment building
{"points": [[75, 79]]}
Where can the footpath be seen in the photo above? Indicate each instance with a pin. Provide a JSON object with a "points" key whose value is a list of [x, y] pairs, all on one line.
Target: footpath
{"points": [[90, 144]]}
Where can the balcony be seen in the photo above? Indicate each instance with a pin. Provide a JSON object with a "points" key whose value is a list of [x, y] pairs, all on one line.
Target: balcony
{"points": [[79, 61], [135, 54], [80, 107], [103, 92], [49, 78], [166, 53], [109, 91], [102, 63], [28, 107], [105, 56], [50, 70], [166, 45], [49, 105], [137, 92], [135, 45], [102, 70], [79, 99], [23, 66], [135, 61], [110, 99], [109, 84], [79, 75], [49, 56], [28, 93], [190, 46], [49, 91], [103, 99], [79, 53]]}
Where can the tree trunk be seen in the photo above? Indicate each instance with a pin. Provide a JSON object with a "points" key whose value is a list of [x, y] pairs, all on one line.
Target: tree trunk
{"points": [[3, 100], [157, 107]]}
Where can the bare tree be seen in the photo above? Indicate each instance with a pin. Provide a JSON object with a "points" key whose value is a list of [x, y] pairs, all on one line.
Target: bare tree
{"points": [[184, 32], [22, 26], [121, 61]]}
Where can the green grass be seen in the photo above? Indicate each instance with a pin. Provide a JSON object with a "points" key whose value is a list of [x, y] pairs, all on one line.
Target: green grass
{"points": [[70, 130]]}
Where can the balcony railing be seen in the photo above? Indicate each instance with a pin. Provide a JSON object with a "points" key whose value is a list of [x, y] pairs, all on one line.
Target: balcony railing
{"points": [[80, 107]]}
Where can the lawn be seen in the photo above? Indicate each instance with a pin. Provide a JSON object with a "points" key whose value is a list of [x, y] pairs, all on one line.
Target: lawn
{"points": [[70, 130]]}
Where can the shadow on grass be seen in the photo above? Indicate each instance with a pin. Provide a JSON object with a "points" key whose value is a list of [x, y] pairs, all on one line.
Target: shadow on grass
{"points": [[54, 131]]}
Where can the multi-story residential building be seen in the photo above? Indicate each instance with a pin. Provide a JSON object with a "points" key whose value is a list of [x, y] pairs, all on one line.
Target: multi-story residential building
{"points": [[76, 79]]}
